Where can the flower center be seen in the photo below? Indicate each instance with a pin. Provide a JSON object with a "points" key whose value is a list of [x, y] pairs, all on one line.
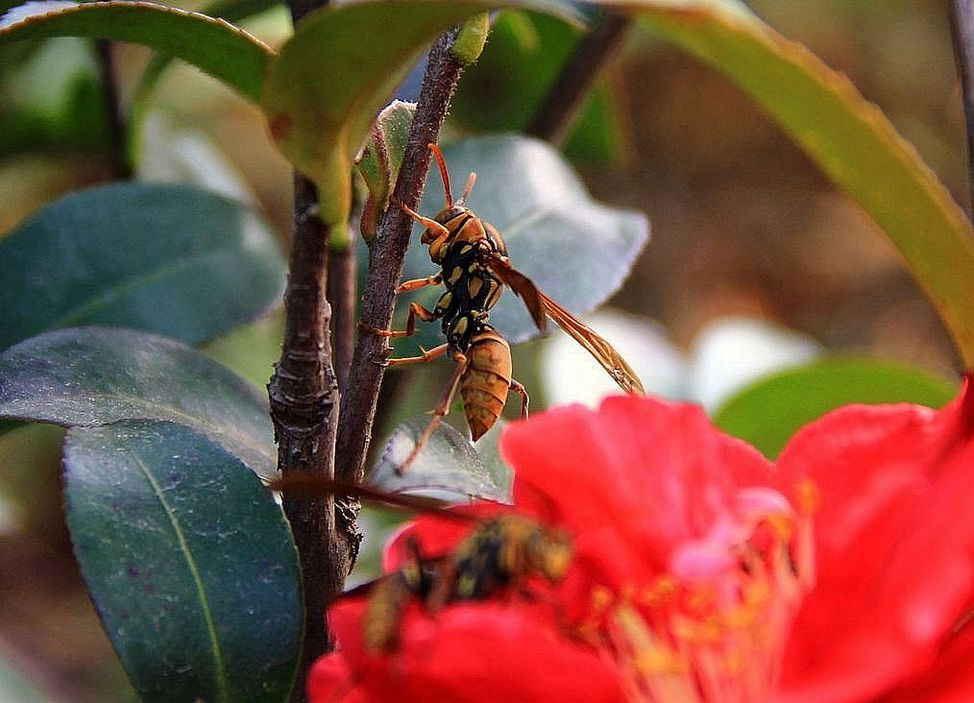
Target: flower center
{"points": [[720, 638]]}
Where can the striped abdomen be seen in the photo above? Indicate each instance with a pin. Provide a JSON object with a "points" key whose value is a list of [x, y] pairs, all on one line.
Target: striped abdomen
{"points": [[486, 381]]}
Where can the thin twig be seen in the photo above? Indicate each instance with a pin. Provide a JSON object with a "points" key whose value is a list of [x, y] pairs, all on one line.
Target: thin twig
{"points": [[555, 116], [342, 287], [962, 32], [386, 263], [121, 168]]}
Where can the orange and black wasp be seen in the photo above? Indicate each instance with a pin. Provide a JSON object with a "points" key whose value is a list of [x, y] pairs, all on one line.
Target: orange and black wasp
{"points": [[501, 551], [474, 268]]}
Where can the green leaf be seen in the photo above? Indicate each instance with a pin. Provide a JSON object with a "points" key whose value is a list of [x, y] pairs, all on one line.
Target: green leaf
{"points": [[226, 52], [380, 159], [848, 137], [171, 259], [446, 467], [769, 412], [189, 561], [93, 376], [329, 80], [575, 250]]}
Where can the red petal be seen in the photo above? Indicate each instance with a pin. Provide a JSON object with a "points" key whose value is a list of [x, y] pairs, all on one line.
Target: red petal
{"points": [[657, 473], [474, 652], [893, 546]]}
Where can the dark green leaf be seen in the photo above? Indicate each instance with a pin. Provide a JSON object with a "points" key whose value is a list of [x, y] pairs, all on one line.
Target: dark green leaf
{"points": [[769, 412], [576, 250], [189, 561], [94, 376], [447, 466], [216, 47], [171, 259]]}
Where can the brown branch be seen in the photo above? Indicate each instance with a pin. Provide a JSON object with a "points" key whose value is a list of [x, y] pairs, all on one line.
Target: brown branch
{"points": [[386, 262], [304, 405], [962, 33], [304, 408], [342, 286], [554, 117], [121, 168]]}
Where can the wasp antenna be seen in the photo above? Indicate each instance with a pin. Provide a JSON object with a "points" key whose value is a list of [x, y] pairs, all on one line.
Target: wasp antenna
{"points": [[471, 179], [443, 173]]}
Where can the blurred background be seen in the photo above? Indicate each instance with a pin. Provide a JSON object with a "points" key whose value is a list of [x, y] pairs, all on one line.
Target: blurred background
{"points": [[755, 261]]}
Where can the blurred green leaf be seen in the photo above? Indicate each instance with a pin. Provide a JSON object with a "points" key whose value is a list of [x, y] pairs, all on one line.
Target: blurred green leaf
{"points": [[189, 561], [447, 467], [171, 259], [230, 10], [52, 99], [848, 137], [576, 250], [94, 376], [767, 413], [523, 58], [214, 46]]}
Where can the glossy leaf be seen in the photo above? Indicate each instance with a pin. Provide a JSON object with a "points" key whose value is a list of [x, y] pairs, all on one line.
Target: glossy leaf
{"points": [[189, 561], [171, 259], [447, 466], [214, 46], [93, 376], [770, 411], [848, 137], [576, 250]]}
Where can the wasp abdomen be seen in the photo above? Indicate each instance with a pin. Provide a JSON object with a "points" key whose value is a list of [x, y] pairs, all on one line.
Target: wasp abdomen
{"points": [[486, 382]]}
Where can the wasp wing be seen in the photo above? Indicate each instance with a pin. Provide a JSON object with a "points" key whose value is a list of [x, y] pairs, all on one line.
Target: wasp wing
{"points": [[604, 353], [522, 286]]}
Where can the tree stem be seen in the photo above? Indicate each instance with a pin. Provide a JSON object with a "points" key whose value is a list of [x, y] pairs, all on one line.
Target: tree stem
{"points": [[386, 259], [121, 168], [304, 403]]}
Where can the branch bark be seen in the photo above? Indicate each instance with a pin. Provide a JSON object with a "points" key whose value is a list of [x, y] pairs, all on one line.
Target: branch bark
{"points": [[386, 262], [962, 33], [117, 131], [304, 408], [304, 405]]}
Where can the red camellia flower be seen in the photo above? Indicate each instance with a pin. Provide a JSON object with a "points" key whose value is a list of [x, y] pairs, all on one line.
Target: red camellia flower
{"points": [[701, 571]]}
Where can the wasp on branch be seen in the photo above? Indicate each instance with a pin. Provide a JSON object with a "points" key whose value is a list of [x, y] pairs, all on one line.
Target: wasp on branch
{"points": [[474, 268]]}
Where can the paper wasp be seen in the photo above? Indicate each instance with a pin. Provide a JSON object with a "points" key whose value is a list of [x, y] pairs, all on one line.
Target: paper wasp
{"points": [[502, 550], [474, 268]]}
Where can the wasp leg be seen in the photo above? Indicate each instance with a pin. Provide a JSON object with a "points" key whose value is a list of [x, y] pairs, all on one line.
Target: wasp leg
{"points": [[427, 222], [439, 412], [427, 355], [417, 283], [415, 310], [525, 399]]}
